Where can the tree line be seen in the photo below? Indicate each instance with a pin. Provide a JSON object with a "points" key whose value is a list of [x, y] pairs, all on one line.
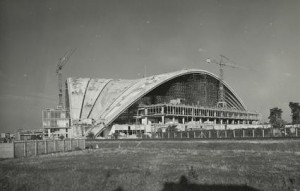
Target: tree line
{"points": [[275, 117]]}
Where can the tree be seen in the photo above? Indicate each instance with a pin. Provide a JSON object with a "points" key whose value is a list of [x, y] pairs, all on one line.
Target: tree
{"points": [[295, 109], [90, 135], [275, 118]]}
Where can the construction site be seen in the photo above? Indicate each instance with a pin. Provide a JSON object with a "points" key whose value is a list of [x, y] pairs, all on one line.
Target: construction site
{"points": [[190, 99]]}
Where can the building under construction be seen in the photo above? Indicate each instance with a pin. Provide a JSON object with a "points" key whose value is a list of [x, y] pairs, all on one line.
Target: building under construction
{"points": [[186, 99]]}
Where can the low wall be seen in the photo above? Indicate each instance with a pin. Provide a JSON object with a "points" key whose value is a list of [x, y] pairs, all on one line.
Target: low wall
{"points": [[39, 147], [33, 148], [6, 150]]}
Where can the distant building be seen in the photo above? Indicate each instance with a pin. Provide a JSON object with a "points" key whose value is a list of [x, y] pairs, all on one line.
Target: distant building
{"points": [[56, 122], [25, 135]]}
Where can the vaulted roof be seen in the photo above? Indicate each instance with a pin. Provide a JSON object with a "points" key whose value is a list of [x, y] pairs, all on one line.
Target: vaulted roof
{"points": [[103, 100]]}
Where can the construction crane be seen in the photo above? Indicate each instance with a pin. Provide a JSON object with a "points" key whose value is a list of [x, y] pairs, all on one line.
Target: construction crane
{"points": [[61, 63], [224, 61]]}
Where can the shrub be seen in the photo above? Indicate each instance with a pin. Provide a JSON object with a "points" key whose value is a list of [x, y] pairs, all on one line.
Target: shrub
{"points": [[90, 135], [61, 137]]}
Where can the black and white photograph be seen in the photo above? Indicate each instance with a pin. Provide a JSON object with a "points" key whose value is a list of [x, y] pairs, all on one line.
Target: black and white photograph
{"points": [[150, 95]]}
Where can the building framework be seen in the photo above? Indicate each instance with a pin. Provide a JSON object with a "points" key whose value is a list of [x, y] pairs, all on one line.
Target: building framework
{"points": [[166, 113]]}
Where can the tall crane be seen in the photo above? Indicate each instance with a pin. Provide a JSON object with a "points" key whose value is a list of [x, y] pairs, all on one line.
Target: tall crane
{"points": [[61, 63], [224, 61]]}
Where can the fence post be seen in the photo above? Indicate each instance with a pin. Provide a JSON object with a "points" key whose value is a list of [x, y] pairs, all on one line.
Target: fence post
{"points": [[209, 134], [84, 143], [188, 134], [46, 149], [225, 133], [233, 133], [168, 135], [243, 133], [70, 144], [35, 148], [14, 150], [263, 132], [296, 129], [54, 145], [25, 149], [253, 134], [285, 132], [64, 144], [174, 135], [194, 135], [217, 134]]}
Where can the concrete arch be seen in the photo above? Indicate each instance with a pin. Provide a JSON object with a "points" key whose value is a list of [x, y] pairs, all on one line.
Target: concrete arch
{"points": [[123, 94]]}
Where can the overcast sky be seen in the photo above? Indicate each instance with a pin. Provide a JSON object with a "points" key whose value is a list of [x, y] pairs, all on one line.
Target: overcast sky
{"points": [[127, 38]]}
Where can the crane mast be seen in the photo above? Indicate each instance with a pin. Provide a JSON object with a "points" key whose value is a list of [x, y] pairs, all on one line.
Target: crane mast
{"points": [[222, 63], [61, 63]]}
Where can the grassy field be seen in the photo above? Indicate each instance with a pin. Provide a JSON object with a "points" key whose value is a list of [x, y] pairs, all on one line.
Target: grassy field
{"points": [[161, 166]]}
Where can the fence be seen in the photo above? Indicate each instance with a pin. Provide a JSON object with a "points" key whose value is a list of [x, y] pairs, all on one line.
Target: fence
{"points": [[39, 147], [223, 134]]}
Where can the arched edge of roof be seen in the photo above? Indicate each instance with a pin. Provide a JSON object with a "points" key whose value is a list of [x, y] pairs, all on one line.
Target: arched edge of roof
{"points": [[171, 76]]}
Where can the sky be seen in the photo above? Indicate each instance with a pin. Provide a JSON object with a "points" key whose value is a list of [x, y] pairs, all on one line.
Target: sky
{"points": [[126, 39]]}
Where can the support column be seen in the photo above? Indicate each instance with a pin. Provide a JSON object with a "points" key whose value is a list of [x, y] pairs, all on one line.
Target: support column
{"points": [[183, 120], [193, 114], [221, 121], [163, 119], [146, 113]]}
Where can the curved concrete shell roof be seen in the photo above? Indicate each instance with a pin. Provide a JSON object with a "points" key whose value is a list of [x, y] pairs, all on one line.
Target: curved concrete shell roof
{"points": [[103, 100]]}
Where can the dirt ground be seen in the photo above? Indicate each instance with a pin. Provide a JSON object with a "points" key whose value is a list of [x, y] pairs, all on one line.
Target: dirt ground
{"points": [[156, 169]]}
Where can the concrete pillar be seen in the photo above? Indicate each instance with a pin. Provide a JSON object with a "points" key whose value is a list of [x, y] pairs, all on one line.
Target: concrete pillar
{"points": [[200, 120], [173, 119], [162, 110], [215, 121], [35, 148], [227, 121], [183, 120], [207, 120], [221, 121], [215, 113], [146, 118], [163, 119]]}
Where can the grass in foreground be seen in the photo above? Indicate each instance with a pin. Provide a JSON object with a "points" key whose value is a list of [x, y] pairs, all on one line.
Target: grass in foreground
{"points": [[154, 169]]}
